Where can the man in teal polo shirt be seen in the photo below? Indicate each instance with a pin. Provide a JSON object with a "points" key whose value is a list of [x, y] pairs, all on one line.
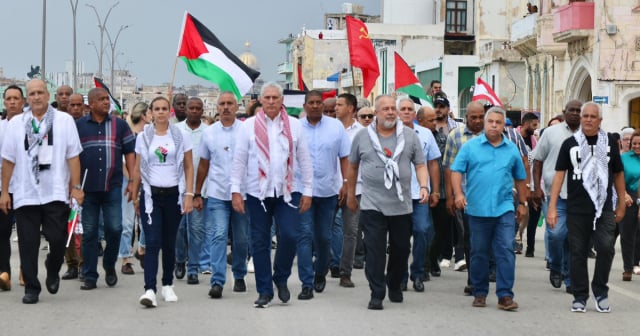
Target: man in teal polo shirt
{"points": [[490, 164]]}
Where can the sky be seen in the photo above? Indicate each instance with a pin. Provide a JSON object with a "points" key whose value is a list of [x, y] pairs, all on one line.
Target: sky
{"points": [[150, 43]]}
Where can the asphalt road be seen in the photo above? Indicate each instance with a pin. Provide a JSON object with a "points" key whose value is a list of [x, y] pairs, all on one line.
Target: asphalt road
{"points": [[441, 309]]}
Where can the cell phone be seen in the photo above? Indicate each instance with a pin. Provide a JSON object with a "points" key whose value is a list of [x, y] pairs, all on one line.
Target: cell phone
{"points": [[254, 96]]}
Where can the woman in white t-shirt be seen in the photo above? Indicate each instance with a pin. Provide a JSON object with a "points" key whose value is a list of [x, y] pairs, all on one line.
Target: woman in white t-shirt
{"points": [[163, 156]]}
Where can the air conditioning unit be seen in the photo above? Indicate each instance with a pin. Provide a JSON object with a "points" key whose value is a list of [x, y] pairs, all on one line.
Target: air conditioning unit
{"points": [[612, 29]]}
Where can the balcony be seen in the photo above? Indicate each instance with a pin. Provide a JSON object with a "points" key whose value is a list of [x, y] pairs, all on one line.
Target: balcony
{"points": [[523, 35], [497, 51], [573, 22], [285, 68], [545, 42]]}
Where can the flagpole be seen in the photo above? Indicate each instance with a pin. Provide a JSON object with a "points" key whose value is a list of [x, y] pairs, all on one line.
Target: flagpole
{"points": [[353, 81], [173, 77]]}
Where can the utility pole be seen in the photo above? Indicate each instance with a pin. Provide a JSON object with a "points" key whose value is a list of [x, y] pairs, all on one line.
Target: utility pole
{"points": [[112, 44], [74, 9], [44, 40], [102, 27]]}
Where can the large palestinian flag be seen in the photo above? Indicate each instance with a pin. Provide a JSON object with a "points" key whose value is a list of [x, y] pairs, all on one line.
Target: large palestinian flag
{"points": [[115, 104], [206, 57]]}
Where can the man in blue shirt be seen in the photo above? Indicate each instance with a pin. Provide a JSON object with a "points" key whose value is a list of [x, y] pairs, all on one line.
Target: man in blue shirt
{"points": [[104, 140], [490, 163], [328, 144]]}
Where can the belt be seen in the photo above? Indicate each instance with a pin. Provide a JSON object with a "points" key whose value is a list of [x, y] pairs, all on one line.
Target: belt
{"points": [[164, 191]]}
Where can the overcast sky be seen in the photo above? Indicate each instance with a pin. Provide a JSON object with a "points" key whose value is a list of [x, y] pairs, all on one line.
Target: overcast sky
{"points": [[149, 45]]}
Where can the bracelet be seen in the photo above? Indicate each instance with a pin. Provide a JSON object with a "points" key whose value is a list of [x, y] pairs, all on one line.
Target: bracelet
{"points": [[189, 194], [345, 181], [424, 187], [130, 180], [436, 194]]}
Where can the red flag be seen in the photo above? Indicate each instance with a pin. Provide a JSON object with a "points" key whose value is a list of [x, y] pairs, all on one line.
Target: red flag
{"points": [[362, 54], [483, 91]]}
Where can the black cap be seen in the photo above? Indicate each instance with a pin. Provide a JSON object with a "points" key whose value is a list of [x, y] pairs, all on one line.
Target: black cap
{"points": [[441, 101]]}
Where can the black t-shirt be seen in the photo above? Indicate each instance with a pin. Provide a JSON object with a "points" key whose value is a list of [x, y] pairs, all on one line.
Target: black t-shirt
{"points": [[578, 200]]}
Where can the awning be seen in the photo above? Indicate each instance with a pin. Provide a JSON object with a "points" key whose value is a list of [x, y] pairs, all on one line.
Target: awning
{"points": [[334, 78]]}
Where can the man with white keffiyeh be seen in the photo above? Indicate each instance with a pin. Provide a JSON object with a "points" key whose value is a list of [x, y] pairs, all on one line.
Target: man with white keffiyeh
{"points": [[384, 151], [591, 162]]}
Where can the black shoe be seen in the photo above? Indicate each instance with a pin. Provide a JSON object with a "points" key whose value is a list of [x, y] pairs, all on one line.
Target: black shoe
{"points": [[592, 254], [468, 290], [80, 276], [111, 277], [100, 250], [283, 293], [335, 272], [418, 285], [555, 278], [230, 259], [529, 253], [358, 264], [306, 294], [375, 304], [192, 279], [30, 298], [403, 285], [395, 295], [52, 283], [239, 286], [88, 285], [215, 292], [71, 273], [319, 283], [263, 301], [180, 270], [435, 270], [492, 276], [274, 245]]}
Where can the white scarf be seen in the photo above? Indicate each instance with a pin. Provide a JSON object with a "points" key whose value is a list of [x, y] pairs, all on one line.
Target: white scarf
{"points": [[390, 160], [593, 169], [34, 139]]}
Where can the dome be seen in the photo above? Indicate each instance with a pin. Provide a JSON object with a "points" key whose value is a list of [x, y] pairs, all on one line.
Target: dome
{"points": [[248, 58]]}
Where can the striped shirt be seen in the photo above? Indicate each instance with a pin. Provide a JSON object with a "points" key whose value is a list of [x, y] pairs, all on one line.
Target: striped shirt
{"points": [[103, 145], [456, 138]]}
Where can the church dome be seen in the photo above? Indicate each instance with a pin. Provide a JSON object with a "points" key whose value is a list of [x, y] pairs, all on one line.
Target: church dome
{"points": [[248, 58]]}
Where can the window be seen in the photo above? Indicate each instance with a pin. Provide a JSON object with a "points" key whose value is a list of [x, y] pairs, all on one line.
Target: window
{"points": [[456, 16]]}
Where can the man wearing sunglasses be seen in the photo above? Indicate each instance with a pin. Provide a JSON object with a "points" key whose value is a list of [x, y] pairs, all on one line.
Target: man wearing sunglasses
{"points": [[365, 116]]}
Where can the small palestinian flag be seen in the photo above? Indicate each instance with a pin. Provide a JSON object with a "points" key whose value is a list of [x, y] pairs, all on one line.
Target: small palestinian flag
{"points": [[407, 82], [293, 101], [207, 58], [115, 105]]}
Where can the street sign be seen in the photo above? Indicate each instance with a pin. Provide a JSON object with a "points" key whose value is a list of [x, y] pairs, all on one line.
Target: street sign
{"points": [[601, 99]]}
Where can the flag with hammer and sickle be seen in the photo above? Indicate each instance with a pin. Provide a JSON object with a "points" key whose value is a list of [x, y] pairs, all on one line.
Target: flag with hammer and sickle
{"points": [[362, 54]]}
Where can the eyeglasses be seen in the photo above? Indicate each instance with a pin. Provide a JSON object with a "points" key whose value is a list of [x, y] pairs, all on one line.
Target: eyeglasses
{"points": [[366, 116]]}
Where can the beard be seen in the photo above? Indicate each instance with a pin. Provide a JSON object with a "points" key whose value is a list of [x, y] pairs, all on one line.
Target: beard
{"points": [[386, 124]]}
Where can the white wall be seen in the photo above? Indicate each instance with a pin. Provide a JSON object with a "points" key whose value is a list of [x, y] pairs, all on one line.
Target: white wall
{"points": [[409, 11]]}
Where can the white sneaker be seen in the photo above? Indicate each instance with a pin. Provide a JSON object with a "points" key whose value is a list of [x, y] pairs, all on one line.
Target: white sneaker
{"points": [[445, 263], [250, 267], [168, 294], [148, 299], [636, 270], [460, 266]]}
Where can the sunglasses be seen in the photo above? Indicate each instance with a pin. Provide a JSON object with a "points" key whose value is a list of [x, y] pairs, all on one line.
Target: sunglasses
{"points": [[366, 116]]}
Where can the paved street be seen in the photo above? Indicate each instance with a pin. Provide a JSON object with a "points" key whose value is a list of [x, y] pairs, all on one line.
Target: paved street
{"points": [[442, 308]]}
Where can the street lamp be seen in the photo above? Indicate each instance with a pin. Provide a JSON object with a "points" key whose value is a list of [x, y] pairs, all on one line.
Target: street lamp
{"points": [[112, 44], [74, 9], [102, 27]]}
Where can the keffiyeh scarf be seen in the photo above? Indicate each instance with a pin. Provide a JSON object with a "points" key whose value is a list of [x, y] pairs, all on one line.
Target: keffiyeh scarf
{"points": [[390, 160], [593, 169], [262, 143], [35, 132]]}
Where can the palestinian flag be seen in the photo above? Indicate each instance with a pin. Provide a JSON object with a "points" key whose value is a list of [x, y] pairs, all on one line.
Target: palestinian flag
{"points": [[207, 58], [115, 105], [293, 101], [407, 82]]}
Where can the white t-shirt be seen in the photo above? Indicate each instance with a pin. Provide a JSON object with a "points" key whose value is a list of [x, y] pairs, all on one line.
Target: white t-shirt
{"points": [[163, 165], [54, 182]]}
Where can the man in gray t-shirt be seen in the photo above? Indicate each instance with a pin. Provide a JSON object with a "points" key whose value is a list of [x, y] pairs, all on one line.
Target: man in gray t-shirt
{"points": [[385, 150]]}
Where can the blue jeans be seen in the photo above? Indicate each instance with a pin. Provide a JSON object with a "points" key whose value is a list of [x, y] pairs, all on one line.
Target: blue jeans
{"points": [[315, 228], [422, 236], [110, 203], [336, 238], [205, 252], [160, 234], [559, 252], [220, 215], [287, 218], [128, 216], [487, 234], [192, 227]]}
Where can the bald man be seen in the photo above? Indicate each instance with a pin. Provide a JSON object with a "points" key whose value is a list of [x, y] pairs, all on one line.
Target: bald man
{"points": [[76, 106], [62, 96]]}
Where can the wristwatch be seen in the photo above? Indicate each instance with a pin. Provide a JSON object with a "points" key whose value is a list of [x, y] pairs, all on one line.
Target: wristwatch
{"points": [[78, 186], [525, 203]]}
